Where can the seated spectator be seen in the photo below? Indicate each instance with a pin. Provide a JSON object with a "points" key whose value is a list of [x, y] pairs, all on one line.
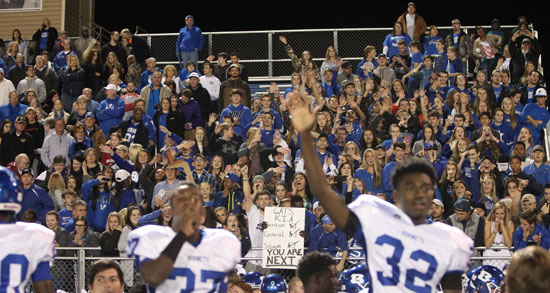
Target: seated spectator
{"points": [[109, 238], [82, 236], [530, 233], [325, 236]]}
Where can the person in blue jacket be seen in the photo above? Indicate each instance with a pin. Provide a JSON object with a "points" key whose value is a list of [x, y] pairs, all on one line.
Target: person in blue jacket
{"points": [[242, 116], [100, 201], [111, 110], [325, 236], [399, 152], [13, 109], [34, 197], [190, 42], [530, 233], [535, 115]]}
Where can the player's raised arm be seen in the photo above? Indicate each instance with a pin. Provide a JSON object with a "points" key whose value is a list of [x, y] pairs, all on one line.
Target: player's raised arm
{"points": [[303, 119]]}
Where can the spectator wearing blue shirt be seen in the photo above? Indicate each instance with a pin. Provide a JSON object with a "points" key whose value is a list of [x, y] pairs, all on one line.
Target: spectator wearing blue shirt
{"points": [[538, 169], [230, 197], [399, 152], [34, 197], [110, 110], [330, 85], [266, 107], [60, 60], [530, 233], [370, 56], [430, 42], [242, 116], [190, 41], [454, 64], [13, 109], [147, 75], [535, 115], [390, 43], [325, 237]]}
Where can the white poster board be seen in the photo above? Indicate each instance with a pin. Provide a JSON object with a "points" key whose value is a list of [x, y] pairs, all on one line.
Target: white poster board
{"points": [[283, 247]]}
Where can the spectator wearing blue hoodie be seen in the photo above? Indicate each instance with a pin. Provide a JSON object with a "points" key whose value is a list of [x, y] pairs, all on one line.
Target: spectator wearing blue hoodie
{"points": [[190, 41], [147, 75], [60, 60], [34, 197], [111, 110], [100, 201], [242, 116]]}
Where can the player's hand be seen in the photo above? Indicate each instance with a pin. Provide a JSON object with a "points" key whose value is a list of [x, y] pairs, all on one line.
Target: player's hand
{"points": [[302, 118]]}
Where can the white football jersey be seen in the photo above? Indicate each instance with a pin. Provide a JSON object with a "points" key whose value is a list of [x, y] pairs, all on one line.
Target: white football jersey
{"points": [[23, 246], [199, 267], [404, 257]]}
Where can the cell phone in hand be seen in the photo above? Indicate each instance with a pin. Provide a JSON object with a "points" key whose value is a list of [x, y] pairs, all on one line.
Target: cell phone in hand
{"points": [[340, 178]]}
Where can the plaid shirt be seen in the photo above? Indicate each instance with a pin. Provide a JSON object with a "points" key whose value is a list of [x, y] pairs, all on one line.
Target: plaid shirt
{"points": [[205, 177]]}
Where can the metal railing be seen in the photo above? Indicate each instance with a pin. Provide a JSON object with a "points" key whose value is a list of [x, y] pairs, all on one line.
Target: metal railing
{"points": [[264, 55], [70, 273]]}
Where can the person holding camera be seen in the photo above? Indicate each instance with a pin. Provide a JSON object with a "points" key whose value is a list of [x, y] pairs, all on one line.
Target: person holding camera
{"points": [[45, 38]]}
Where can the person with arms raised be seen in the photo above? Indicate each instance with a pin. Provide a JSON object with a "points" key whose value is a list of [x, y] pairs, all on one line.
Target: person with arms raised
{"points": [[397, 246]]}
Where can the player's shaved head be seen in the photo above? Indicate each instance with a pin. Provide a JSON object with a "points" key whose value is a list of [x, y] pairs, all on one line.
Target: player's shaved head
{"points": [[187, 204]]}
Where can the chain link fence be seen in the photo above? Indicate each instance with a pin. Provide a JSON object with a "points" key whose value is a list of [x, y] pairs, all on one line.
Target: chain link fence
{"points": [[265, 56], [70, 274]]}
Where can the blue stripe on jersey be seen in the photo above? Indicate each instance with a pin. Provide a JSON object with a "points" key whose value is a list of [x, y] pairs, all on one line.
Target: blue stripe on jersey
{"points": [[42, 272]]}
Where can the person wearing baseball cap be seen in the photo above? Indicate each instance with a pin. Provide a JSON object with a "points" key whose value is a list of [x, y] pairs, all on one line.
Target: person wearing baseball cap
{"points": [[413, 24], [190, 42], [437, 210], [16, 142], [326, 236], [201, 95], [230, 197], [467, 221], [536, 115], [538, 169], [111, 110], [34, 197]]}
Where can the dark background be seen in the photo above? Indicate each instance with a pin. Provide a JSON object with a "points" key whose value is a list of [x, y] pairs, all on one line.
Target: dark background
{"points": [[169, 17]]}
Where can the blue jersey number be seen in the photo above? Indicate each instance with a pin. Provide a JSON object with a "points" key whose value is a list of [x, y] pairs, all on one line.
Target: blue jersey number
{"points": [[12, 259], [411, 274], [218, 279]]}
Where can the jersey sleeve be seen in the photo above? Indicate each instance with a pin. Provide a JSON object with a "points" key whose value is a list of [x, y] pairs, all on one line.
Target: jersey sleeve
{"points": [[142, 246], [464, 248]]}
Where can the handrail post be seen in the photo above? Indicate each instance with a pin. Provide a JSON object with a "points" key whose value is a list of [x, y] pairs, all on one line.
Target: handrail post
{"points": [[81, 268], [270, 54]]}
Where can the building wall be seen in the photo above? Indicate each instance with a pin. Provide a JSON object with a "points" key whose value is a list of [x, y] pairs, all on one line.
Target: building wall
{"points": [[29, 22]]}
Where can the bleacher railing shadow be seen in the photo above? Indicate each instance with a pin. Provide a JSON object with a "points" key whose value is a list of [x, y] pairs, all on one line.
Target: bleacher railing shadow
{"points": [[265, 57], [70, 273]]}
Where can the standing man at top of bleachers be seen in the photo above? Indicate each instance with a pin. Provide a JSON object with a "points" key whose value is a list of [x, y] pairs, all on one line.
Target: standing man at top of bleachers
{"points": [[190, 41]]}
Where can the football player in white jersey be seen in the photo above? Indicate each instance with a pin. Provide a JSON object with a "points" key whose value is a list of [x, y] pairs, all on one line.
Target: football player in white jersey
{"points": [[26, 249], [404, 254], [184, 257]]}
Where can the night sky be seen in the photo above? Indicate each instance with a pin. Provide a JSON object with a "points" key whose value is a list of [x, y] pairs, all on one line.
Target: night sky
{"points": [[264, 15]]}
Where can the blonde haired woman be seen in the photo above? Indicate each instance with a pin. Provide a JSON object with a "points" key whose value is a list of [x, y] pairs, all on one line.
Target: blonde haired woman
{"points": [[171, 73], [56, 187], [499, 230], [109, 238], [370, 172]]}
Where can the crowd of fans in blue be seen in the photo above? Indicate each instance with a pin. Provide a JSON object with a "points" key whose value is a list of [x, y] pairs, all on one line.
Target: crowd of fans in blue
{"points": [[99, 134]]}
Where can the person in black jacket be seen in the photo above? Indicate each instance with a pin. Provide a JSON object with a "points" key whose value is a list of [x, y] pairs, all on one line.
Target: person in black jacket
{"points": [[278, 165], [522, 41], [45, 38], [174, 121], [16, 142], [109, 238], [141, 49], [134, 130], [201, 95]]}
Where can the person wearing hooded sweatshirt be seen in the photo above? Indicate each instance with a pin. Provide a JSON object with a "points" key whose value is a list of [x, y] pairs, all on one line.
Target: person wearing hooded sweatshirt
{"points": [[100, 201], [34, 197], [241, 114], [111, 110]]}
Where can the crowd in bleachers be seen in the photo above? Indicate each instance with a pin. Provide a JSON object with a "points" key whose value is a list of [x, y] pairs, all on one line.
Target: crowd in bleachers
{"points": [[98, 134]]}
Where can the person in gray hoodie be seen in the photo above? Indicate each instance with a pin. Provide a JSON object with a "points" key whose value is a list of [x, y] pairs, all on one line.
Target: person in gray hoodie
{"points": [[56, 143]]}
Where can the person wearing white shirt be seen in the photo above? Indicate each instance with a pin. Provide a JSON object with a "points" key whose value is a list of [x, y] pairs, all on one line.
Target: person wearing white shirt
{"points": [[6, 86], [210, 82]]}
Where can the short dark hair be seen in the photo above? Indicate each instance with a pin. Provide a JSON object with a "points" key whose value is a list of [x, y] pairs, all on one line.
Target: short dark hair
{"points": [[187, 93], [413, 165], [103, 265], [313, 264], [399, 144], [529, 216], [59, 159], [53, 213]]}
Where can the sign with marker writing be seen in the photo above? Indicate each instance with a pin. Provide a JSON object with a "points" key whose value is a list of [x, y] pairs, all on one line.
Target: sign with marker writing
{"points": [[283, 247]]}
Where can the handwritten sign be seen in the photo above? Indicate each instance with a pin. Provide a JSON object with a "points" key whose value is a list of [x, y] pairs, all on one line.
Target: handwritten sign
{"points": [[283, 247]]}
